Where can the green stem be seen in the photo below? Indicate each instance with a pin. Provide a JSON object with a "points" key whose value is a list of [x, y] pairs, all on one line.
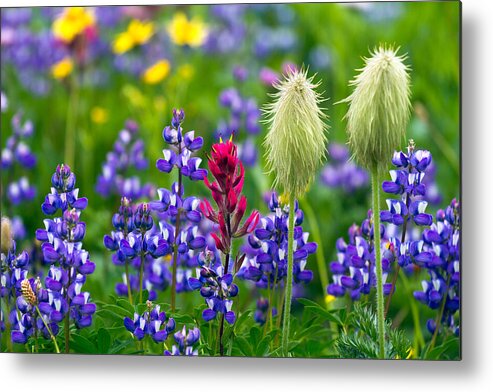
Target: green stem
{"points": [[129, 288], [289, 281], [7, 325], [378, 260], [438, 320], [315, 230], [141, 272], [418, 335], [66, 321], [49, 331], [71, 121], [175, 250]]}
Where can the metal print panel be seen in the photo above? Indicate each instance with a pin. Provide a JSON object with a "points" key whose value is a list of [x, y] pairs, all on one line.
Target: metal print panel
{"points": [[261, 180]]}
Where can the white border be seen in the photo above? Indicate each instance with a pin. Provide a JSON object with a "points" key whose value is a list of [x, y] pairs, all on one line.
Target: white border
{"points": [[83, 373]]}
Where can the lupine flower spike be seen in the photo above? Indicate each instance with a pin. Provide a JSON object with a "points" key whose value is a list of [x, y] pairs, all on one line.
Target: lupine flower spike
{"points": [[62, 250], [376, 125], [181, 213], [295, 149]]}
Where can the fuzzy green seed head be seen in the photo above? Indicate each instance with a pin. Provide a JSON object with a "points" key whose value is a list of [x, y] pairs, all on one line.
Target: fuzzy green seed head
{"points": [[296, 141], [379, 108]]}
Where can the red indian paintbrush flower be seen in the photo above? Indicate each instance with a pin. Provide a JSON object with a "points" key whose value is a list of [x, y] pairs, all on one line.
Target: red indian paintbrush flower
{"points": [[229, 175]]}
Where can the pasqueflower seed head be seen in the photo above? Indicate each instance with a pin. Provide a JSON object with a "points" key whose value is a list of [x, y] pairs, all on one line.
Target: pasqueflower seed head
{"points": [[296, 141], [6, 237], [379, 108], [28, 293]]}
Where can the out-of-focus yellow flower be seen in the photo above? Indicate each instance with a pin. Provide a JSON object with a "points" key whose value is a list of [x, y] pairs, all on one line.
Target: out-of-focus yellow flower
{"points": [[187, 32], [137, 33], [329, 299], [186, 71], [134, 96], [156, 72], [72, 22], [160, 104], [63, 68], [99, 115]]}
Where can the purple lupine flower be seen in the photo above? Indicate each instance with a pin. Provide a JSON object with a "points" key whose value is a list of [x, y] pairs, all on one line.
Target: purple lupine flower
{"points": [[215, 286], [442, 250], [262, 310], [342, 173], [13, 266], [152, 322], [354, 270], [184, 343], [180, 216], [62, 247], [136, 239], [25, 319], [227, 29], [244, 113], [127, 154], [267, 249], [17, 156], [409, 208], [182, 146]]}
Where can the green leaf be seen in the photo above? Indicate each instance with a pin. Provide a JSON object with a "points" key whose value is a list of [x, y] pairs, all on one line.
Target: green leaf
{"points": [[263, 347], [119, 347], [119, 310], [184, 318], [450, 346], [104, 341], [109, 315], [82, 345], [244, 346], [319, 310], [125, 304], [242, 319], [255, 336]]}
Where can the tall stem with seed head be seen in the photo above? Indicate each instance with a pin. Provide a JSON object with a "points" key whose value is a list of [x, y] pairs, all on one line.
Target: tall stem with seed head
{"points": [[295, 149], [289, 281], [378, 261]]}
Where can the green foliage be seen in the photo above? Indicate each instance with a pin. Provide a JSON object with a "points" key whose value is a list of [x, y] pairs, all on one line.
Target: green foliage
{"points": [[362, 339]]}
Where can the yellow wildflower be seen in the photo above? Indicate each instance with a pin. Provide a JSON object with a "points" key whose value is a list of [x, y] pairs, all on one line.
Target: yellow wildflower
{"points": [[137, 33], [187, 32], [329, 299], [99, 115], [63, 68], [72, 22], [156, 72]]}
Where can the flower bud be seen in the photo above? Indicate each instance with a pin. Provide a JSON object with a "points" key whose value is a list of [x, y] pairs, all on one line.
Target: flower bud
{"points": [[379, 108], [296, 142]]}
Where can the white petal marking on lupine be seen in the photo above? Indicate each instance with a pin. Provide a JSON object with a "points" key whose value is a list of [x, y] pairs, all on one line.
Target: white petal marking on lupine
{"points": [[302, 264], [352, 270]]}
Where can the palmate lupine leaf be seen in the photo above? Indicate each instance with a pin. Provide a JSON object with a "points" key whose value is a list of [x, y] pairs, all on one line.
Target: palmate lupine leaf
{"points": [[361, 342]]}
